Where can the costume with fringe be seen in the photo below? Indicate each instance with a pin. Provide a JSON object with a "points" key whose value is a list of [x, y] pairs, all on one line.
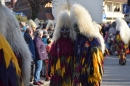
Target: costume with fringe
{"points": [[88, 62], [122, 39], [10, 29], [10, 71], [88, 50], [61, 53], [121, 48], [61, 62]]}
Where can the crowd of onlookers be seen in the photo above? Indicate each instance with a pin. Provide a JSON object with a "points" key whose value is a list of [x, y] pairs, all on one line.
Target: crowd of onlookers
{"points": [[109, 33], [39, 40]]}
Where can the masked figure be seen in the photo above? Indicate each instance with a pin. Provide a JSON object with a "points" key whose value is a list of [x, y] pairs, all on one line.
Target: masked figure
{"points": [[122, 39], [50, 28], [88, 50], [13, 71], [61, 54]]}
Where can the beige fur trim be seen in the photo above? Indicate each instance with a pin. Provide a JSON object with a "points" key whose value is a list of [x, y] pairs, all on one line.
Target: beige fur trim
{"points": [[63, 19], [10, 28], [50, 22], [82, 17], [124, 30], [31, 23]]}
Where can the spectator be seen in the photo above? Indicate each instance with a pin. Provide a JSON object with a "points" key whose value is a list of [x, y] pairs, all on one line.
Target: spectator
{"points": [[48, 48], [41, 54], [28, 38], [112, 30], [33, 25], [23, 27], [49, 44], [44, 39]]}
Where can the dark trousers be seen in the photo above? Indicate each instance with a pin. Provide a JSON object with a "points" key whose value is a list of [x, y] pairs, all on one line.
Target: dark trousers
{"points": [[32, 71]]}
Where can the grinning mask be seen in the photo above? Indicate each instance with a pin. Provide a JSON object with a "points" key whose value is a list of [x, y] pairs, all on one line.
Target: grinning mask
{"points": [[76, 28], [65, 32]]}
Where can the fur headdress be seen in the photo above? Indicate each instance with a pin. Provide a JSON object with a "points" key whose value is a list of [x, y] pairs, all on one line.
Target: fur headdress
{"points": [[23, 23], [63, 20], [37, 21], [82, 18], [124, 30], [50, 23], [97, 26], [10, 29], [31, 23]]}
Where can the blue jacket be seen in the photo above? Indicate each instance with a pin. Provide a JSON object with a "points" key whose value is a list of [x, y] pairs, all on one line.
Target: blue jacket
{"points": [[30, 43]]}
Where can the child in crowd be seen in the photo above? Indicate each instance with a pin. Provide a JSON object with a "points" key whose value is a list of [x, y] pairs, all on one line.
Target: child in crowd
{"points": [[48, 48], [49, 43]]}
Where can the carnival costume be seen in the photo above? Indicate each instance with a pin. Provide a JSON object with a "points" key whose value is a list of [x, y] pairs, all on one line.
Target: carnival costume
{"points": [[10, 29], [122, 39], [50, 28], [61, 54], [88, 50], [10, 72]]}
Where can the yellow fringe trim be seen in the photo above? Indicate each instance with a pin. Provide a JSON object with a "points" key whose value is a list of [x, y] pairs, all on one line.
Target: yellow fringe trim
{"points": [[52, 70], [92, 79], [62, 71], [97, 66], [58, 64], [83, 59], [9, 54], [68, 59], [67, 84]]}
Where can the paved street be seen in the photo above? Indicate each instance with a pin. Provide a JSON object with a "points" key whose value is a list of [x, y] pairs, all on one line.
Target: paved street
{"points": [[46, 83], [114, 74]]}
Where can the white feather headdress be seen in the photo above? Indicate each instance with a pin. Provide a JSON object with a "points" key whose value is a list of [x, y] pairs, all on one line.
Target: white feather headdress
{"points": [[122, 26], [82, 18], [63, 19], [10, 29]]}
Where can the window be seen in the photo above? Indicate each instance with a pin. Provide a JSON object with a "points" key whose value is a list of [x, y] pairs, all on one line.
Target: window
{"points": [[117, 9], [109, 7]]}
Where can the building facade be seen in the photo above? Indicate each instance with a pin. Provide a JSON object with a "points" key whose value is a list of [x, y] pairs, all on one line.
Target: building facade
{"points": [[100, 10], [113, 9]]}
